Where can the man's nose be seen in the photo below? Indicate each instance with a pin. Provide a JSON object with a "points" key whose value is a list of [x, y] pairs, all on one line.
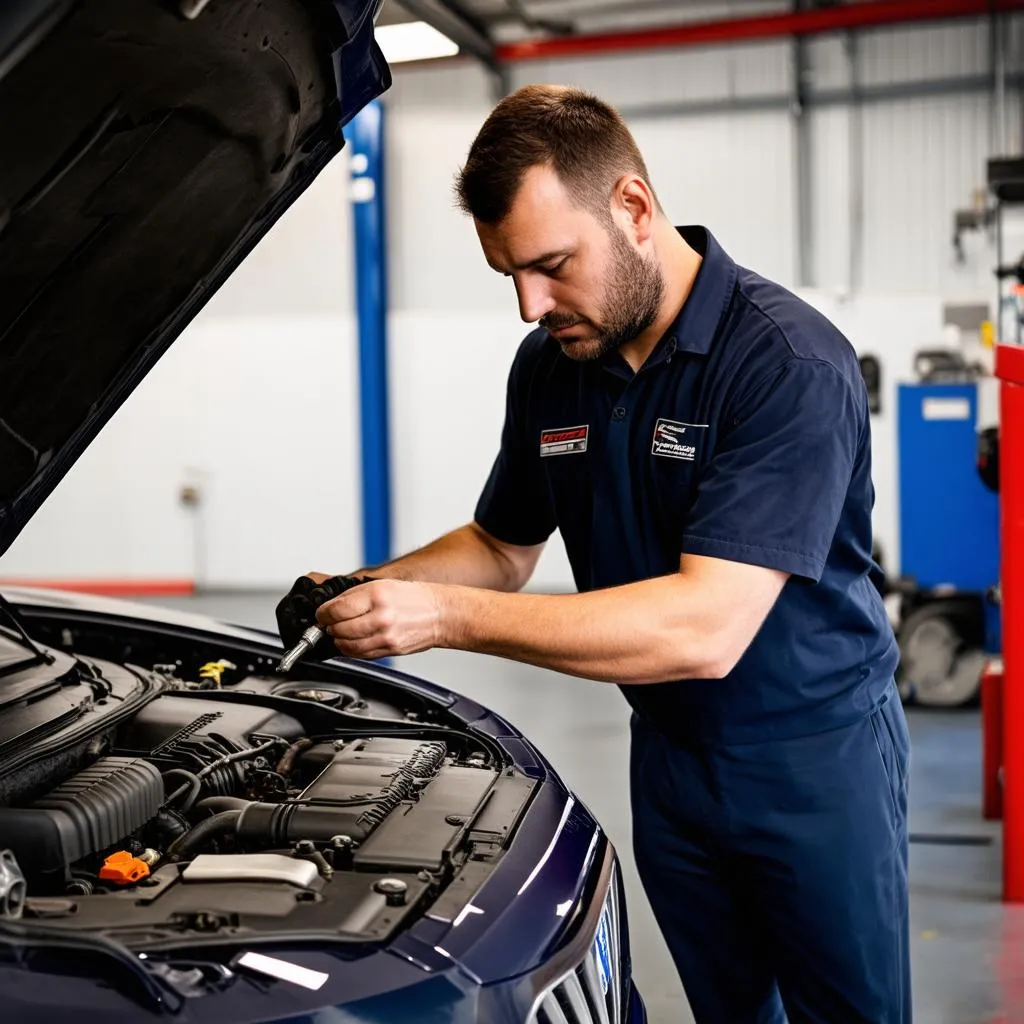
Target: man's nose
{"points": [[535, 299]]}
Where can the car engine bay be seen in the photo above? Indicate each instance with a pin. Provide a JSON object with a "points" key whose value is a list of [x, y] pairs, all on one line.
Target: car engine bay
{"points": [[167, 803]]}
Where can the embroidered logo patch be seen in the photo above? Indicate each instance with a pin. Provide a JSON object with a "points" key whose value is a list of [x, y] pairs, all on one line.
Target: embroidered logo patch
{"points": [[676, 440], [567, 441]]}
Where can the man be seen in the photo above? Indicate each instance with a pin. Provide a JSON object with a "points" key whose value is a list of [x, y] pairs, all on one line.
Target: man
{"points": [[701, 439]]}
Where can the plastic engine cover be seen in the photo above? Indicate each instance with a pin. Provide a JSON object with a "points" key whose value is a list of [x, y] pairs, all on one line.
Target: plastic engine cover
{"points": [[87, 814]]}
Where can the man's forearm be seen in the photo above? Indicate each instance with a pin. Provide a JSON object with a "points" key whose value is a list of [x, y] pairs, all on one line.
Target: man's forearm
{"points": [[692, 624], [465, 557], [654, 631]]}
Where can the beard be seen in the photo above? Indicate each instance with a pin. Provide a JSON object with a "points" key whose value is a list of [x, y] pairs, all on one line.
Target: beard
{"points": [[634, 289]]}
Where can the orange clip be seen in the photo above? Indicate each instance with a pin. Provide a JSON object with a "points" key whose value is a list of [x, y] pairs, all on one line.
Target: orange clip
{"points": [[124, 869]]}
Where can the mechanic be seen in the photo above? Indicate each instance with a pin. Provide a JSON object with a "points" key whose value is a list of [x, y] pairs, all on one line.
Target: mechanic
{"points": [[701, 439]]}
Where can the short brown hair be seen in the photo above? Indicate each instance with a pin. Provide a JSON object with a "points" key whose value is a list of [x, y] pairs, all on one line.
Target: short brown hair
{"points": [[582, 138]]}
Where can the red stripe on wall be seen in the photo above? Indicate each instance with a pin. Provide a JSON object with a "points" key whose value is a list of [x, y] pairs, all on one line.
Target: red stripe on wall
{"points": [[111, 588]]}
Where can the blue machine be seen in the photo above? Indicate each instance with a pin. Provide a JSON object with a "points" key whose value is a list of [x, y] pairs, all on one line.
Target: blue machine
{"points": [[949, 520], [949, 529]]}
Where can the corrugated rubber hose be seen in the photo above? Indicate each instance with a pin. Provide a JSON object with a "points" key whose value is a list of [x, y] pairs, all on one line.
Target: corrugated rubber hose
{"points": [[221, 824]]}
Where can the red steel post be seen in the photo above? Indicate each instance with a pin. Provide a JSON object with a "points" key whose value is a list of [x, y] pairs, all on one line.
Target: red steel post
{"points": [[1010, 370]]}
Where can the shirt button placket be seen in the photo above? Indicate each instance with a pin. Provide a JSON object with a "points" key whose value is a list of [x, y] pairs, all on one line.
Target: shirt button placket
{"points": [[614, 541]]}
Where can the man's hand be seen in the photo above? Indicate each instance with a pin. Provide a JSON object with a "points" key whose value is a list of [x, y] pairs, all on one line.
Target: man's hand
{"points": [[296, 611], [384, 618]]}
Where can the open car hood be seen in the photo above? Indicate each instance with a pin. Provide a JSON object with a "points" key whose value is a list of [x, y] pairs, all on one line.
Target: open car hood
{"points": [[148, 146]]}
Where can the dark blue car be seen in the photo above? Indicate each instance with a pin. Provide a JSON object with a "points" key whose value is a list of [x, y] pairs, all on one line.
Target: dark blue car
{"points": [[184, 833]]}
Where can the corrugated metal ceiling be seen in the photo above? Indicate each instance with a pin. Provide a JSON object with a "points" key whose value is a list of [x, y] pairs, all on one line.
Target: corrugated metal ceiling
{"points": [[510, 30], [508, 20]]}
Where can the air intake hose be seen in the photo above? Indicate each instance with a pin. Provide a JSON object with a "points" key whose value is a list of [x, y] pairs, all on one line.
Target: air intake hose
{"points": [[263, 825], [219, 825], [282, 824]]}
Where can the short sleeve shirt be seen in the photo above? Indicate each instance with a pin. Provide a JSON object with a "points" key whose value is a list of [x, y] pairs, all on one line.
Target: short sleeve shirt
{"points": [[746, 437]]}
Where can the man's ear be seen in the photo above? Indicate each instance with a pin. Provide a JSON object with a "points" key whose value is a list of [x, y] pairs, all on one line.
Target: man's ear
{"points": [[632, 198]]}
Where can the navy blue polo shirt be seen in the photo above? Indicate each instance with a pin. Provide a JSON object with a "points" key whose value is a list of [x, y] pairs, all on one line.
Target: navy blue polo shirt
{"points": [[745, 436]]}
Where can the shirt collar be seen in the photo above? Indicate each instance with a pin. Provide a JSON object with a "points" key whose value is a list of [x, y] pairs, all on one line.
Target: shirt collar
{"points": [[698, 320], [697, 323]]}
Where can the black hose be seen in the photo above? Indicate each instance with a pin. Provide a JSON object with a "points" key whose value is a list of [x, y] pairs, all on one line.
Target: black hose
{"points": [[218, 804], [170, 824], [219, 825], [193, 785], [239, 755], [195, 779]]}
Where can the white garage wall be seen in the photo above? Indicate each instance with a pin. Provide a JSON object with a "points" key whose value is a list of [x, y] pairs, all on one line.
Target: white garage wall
{"points": [[434, 257], [260, 416], [702, 165], [263, 386], [666, 77]]}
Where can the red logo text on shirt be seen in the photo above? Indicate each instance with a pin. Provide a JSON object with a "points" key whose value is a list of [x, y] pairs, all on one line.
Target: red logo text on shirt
{"points": [[564, 441]]}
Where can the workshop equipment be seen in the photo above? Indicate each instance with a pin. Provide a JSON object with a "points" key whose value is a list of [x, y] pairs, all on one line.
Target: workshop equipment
{"points": [[1006, 184], [949, 545]]}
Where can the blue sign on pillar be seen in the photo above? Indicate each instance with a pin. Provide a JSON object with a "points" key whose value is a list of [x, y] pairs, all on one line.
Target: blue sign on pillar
{"points": [[365, 137]]}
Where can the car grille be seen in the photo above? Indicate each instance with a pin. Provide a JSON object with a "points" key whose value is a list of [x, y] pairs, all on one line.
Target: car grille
{"points": [[592, 992], [576, 999]]}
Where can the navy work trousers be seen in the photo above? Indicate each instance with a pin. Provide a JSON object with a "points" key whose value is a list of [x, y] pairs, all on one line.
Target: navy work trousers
{"points": [[777, 871]]}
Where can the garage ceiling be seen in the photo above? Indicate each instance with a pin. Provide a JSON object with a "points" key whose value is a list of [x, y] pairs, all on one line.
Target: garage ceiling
{"points": [[511, 20], [481, 26], [501, 31]]}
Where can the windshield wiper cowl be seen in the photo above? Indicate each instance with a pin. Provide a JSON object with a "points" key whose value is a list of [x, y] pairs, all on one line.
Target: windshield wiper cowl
{"points": [[22, 943]]}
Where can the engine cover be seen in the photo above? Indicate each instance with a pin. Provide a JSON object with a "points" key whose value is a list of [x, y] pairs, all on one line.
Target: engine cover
{"points": [[89, 813], [354, 792]]}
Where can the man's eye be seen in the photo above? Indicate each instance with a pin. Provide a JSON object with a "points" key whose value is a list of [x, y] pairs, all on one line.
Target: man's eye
{"points": [[555, 268]]}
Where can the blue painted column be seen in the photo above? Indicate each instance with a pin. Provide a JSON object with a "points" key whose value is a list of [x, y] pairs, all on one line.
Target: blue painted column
{"points": [[365, 136]]}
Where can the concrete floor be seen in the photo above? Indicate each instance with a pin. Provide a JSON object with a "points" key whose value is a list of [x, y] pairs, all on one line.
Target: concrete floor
{"points": [[967, 948]]}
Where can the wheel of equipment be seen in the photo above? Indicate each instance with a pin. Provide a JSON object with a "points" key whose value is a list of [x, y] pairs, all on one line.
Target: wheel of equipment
{"points": [[939, 665]]}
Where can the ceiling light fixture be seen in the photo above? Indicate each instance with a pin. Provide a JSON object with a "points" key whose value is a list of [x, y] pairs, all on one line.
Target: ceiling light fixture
{"points": [[413, 40]]}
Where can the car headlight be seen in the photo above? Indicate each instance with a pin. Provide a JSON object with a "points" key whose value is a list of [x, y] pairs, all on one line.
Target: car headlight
{"points": [[591, 992]]}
